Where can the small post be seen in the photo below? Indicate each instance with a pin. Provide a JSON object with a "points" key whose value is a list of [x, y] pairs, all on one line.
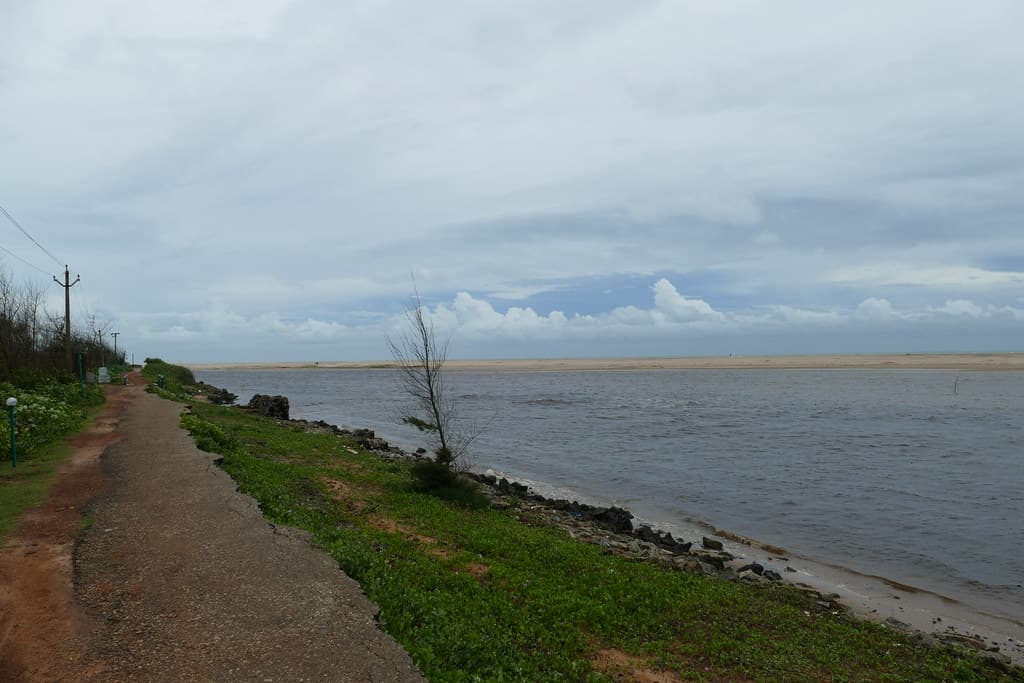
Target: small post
{"points": [[11, 405], [81, 375]]}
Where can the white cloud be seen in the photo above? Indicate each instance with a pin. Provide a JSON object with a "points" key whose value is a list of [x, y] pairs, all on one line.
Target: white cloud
{"points": [[474, 321], [961, 276], [305, 158], [874, 308], [678, 308]]}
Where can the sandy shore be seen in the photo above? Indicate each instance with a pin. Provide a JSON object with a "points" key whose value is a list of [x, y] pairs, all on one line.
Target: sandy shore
{"points": [[932, 361]]}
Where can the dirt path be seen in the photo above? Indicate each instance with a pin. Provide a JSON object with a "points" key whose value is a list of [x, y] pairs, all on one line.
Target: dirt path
{"points": [[38, 619], [179, 578]]}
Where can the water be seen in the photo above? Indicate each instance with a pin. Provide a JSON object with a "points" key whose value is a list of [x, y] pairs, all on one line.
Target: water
{"points": [[884, 472]]}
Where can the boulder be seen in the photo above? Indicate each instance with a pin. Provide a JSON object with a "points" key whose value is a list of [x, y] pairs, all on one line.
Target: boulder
{"points": [[711, 544], [752, 567], [614, 519], [222, 397], [271, 406]]}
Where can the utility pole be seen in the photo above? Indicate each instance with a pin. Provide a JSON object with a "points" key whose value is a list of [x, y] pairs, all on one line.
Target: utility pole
{"points": [[114, 335], [99, 343], [67, 285]]}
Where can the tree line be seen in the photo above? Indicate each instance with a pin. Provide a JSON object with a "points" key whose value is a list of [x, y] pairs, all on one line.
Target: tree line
{"points": [[32, 338]]}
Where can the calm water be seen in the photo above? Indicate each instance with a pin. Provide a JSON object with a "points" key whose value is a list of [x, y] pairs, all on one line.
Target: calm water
{"points": [[884, 472]]}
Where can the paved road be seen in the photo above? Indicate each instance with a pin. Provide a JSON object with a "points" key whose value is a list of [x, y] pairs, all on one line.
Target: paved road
{"points": [[181, 578]]}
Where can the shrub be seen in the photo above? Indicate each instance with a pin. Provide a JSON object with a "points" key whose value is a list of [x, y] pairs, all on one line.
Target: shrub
{"points": [[208, 436], [45, 413], [438, 479]]}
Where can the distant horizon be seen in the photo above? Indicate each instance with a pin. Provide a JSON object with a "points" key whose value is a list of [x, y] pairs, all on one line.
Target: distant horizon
{"points": [[967, 361]]}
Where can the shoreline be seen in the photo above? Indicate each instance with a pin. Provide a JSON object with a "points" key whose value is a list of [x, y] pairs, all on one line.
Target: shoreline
{"points": [[933, 618], [936, 617], [966, 362], [868, 596]]}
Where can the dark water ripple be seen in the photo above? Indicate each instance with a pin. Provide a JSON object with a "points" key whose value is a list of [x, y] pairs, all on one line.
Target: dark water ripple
{"points": [[886, 472]]}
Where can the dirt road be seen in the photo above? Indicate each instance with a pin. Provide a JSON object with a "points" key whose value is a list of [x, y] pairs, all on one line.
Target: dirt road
{"points": [[179, 578]]}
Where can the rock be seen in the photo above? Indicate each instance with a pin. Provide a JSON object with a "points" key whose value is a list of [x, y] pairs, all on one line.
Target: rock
{"points": [[645, 533], [711, 544], [715, 558], [752, 567], [681, 548], [221, 397], [748, 576], [614, 519], [271, 406], [511, 488], [686, 565], [772, 575]]}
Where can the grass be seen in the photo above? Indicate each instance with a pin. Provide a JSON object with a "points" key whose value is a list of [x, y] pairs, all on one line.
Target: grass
{"points": [[176, 378], [27, 485], [484, 595]]}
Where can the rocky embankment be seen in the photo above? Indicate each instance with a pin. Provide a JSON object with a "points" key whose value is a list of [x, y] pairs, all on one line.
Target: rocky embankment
{"points": [[612, 527]]}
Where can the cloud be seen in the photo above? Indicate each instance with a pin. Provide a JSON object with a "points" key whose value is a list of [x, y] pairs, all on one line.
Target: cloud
{"points": [[678, 308], [287, 163], [960, 276]]}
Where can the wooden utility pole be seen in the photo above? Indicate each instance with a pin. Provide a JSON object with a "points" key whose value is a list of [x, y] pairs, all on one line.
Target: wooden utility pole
{"points": [[114, 335], [67, 285]]}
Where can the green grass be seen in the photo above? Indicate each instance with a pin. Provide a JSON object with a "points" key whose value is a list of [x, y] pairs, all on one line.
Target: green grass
{"points": [[480, 595], [27, 485], [178, 379]]}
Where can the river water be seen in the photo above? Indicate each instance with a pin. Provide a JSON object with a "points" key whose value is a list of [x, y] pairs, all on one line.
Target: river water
{"points": [[914, 475]]}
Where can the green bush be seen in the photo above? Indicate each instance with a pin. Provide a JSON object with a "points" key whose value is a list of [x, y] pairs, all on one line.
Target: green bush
{"points": [[208, 436], [45, 413], [440, 480], [177, 377]]}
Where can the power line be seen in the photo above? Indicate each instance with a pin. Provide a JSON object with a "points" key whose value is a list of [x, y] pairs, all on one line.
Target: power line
{"points": [[25, 232], [30, 265]]}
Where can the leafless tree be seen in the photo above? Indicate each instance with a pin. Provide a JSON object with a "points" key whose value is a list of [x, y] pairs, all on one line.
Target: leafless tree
{"points": [[420, 360]]}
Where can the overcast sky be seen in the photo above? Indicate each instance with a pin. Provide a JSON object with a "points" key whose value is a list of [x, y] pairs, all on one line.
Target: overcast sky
{"points": [[263, 180]]}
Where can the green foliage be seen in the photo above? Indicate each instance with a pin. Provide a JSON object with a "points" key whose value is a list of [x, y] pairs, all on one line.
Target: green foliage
{"points": [[208, 436], [475, 594], [439, 479], [419, 424], [178, 380], [44, 416]]}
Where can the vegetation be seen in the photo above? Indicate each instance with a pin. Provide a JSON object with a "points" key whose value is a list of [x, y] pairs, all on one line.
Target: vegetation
{"points": [[420, 360], [179, 381], [489, 595], [32, 339], [45, 415]]}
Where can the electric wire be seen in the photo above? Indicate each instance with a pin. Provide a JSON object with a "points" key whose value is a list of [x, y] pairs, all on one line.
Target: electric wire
{"points": [[30, 265], [25, 232]]}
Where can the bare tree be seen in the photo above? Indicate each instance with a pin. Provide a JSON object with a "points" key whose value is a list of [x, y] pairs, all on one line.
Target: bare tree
{"points": [[420, 361]]}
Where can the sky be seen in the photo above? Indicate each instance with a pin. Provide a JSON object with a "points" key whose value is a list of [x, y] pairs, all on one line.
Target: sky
{"points": [[267, 180]]}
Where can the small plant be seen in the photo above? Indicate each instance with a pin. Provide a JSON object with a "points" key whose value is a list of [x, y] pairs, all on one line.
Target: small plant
{"points": [[419, 424], [208, 436], [439, 479]]}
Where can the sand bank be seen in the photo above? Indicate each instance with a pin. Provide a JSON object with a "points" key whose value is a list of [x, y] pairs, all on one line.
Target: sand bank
{"points": [[930, 361]]}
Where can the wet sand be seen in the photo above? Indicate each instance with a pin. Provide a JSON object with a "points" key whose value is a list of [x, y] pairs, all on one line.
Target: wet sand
{"points": [[908, 361]]}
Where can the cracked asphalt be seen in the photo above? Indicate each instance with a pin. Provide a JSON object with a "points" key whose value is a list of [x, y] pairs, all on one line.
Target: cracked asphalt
{"points": [[179, 577]]}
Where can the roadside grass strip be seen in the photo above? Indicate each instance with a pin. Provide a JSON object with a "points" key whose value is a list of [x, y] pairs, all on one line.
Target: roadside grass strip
{"points": [[45, 416], [489, 595]]}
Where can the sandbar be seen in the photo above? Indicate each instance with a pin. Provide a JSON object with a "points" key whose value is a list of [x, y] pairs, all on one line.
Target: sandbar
{"points": [[905, 361]]}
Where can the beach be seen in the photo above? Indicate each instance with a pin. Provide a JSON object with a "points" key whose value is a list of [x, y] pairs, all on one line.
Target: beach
{"points": [[904, 361]]}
